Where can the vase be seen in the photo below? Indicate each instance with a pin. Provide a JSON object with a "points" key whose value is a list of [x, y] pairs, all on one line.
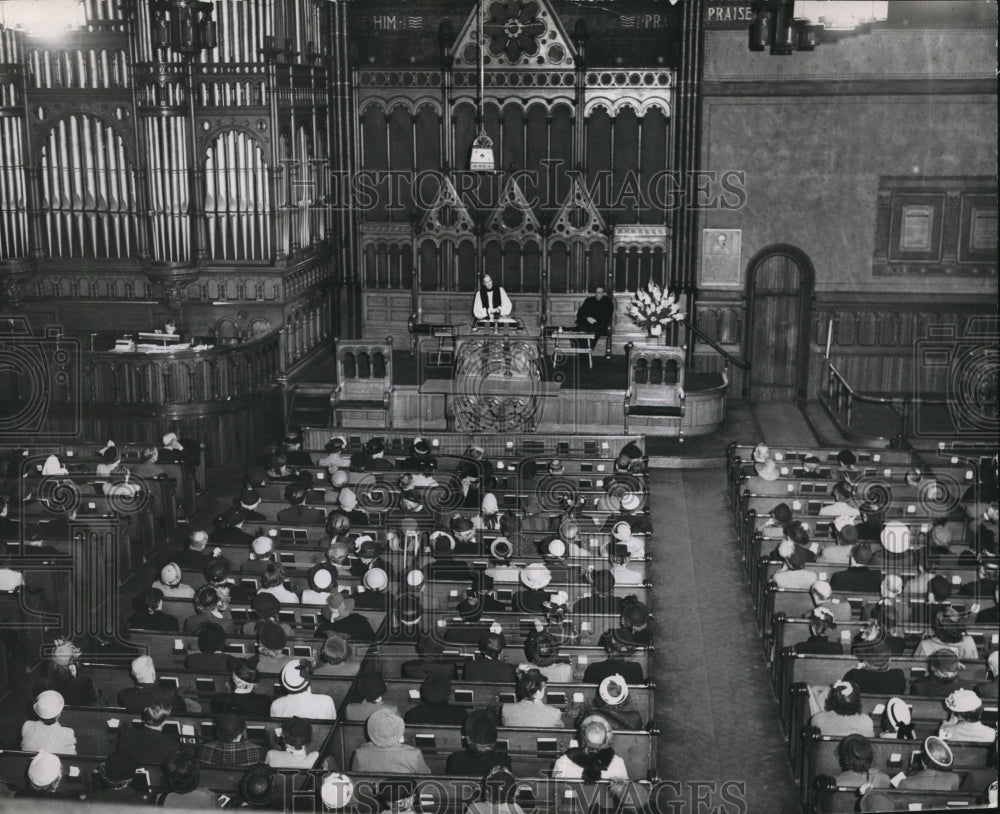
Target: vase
{"points": [[655, 330]]}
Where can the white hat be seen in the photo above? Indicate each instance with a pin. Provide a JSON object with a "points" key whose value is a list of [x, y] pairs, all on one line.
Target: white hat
{"points": [[292, 678], [898, 712], [339, 477], [631, 501], [622, 531], [895, 537], [65, 653], [170, 574], [761, 453], [822, 589], [768, 469], [559, 598], [535, 576], [53, 467], [44, 769], [49, 704], [348, 499], [261, 546], [555, 548], [414, 578], [992, 662], [143, 670], [376, 579], [613, 690], [489, 504], [337, 790], [170, 442], [963, 701]]}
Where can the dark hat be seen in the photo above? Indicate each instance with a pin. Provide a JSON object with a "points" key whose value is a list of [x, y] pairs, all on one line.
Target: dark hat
{"points": [[257, 476], [217, 569], [257, 785], [265, 605], [782, 513], [233, 515], [603, 581], [436, 689], [877, 654], [371, 685], [373, 446], [392, 792], [119, 766], [229, 725], [335, 444], [297, 729], [420, 448], [541, 648], [211, 638], [460, 524], [272, 635], [846, 458], [480, 728], [323, 577], [848, 535], [876, 801], [631, 450], [492, 643], [335, 649], [249, 497], [635, 614], [618, 643], [862, 554], [409, 608]]}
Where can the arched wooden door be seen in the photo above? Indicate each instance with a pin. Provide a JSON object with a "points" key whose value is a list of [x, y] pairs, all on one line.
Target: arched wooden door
{"points": [[779, 293]]}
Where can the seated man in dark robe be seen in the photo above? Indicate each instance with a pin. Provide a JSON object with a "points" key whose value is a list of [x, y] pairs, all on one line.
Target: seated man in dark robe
{"points": [[594, 316]]}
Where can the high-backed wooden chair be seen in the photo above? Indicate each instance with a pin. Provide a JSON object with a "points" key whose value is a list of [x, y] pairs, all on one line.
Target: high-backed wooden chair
{"points": [[363, 396], [655, 396]]}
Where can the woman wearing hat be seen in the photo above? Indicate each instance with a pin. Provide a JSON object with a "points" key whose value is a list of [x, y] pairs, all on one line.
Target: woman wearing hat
{"points": [[339, 617], [47, 733], [479, 755], [336, 791], [530, 709], [856, 756], [535, 577], [876, 674], [322, 579], [170, 583], [937, 774], [63, 675], [241, 697], [301, 701], [386, 753], [45, 773], [594, 759], [296, 735], [208, 608], [435, 707], [334, 457], [612, 700], [896, 723], [965, 721], [948, 630], [113, 781], [371, 686], [842, 714]]}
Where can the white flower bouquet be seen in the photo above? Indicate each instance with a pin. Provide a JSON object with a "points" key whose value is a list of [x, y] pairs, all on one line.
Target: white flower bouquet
{"points": [[652, 308]]}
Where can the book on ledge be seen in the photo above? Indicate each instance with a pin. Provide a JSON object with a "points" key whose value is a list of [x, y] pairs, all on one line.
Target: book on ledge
{"points": [[159, 338]]}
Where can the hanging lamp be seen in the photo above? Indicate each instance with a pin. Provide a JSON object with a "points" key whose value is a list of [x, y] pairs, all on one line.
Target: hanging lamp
{"points": [[482, 158]]}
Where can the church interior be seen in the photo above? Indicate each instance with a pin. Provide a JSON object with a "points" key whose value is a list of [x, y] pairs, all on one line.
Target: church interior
{"points": [[499, 406]]}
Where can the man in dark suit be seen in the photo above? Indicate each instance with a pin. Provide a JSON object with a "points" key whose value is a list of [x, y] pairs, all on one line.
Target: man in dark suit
{"points": [[489, 667], [858, 576], [193, 557], [619, 652], [297, 512], [436, 708], [147, 691], [149, 743], [248, 501], [594, 315], [229, 528]]}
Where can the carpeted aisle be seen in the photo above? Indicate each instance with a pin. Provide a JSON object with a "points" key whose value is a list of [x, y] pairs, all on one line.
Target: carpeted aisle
{"points": [[717, 717]]}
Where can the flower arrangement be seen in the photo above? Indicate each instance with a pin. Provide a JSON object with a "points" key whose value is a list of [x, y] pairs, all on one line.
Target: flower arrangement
{"points": [[652, 308]]}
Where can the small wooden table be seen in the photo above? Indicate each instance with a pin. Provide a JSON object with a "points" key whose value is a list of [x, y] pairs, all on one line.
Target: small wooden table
{"points": [[568, 343]]}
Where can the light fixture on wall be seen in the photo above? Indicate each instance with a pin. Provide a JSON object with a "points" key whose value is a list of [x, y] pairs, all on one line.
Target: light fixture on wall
{"points": [[482, 158]]}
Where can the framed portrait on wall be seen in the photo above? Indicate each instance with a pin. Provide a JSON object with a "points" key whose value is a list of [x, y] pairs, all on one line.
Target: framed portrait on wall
{"points": [[720, 257]]}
